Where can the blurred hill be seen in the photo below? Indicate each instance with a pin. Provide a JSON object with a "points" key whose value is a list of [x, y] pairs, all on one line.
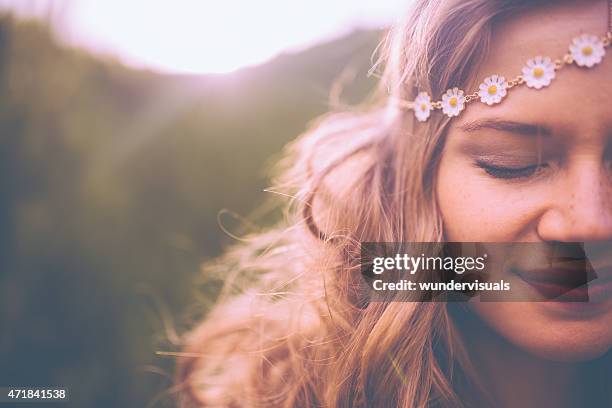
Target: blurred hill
{"points": [[111, 183]]}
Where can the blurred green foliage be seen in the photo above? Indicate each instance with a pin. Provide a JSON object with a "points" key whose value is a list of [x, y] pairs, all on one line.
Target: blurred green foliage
{"points": [[111, 182]]}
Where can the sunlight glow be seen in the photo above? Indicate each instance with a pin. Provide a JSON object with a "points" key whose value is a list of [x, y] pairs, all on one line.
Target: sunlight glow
{"points": [[205, 36]]}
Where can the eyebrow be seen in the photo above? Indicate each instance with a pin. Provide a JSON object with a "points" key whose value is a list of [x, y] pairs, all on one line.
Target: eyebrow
{"points": [[509, 126]]}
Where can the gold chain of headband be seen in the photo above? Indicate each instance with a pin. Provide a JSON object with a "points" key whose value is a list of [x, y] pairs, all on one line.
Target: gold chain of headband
{"points": [[585, 51]]}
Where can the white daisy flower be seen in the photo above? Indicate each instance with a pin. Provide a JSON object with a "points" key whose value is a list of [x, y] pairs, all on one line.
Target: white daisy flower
{"points": [[453, 102], [493, 89], [587, 50], [422, 106], [538, 72]]}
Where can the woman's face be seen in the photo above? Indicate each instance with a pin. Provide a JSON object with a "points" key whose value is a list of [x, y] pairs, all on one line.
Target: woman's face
{"points": [[499, 182]]}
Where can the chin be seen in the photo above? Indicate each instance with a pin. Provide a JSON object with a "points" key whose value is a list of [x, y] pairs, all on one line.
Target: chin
{"points": [[544, 330], [570, 344], [562, 353]]}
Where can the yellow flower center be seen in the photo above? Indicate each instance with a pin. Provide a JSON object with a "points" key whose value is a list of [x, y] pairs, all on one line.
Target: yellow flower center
{"points": [[453, 102], [587, 51], [538, 72], [423, 106], [492, 90]]}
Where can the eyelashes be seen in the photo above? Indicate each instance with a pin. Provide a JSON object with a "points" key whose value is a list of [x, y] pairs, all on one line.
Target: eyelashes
{"points": [[510, 173]]}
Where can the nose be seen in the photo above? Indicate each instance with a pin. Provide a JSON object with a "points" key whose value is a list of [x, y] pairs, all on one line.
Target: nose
{"points": [[581, 208]]}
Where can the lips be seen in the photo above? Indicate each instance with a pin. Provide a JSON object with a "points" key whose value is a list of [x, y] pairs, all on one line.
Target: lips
{"points": [[575, 282]]}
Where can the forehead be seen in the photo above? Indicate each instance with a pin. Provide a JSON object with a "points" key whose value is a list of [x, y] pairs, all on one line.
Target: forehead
{"points": [[575, 94]]}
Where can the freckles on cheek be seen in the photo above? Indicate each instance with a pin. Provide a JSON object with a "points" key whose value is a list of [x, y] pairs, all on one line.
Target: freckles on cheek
{"points": [[475, 209]]}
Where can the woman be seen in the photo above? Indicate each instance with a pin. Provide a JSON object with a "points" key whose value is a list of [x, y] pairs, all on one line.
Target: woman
{"points": [[530, 164]]}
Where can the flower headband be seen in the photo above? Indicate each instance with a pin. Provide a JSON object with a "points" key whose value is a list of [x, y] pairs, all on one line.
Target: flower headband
{"points": [[585, 51]]}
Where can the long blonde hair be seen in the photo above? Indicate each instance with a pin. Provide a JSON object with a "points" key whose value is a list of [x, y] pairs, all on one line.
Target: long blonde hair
{"points": [[302, 332]]}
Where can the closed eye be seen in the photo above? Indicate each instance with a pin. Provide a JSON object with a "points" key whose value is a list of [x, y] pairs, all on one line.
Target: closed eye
{"points": [[507, 173]]}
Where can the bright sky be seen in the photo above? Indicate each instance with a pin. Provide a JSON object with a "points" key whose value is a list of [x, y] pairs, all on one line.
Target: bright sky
{"points": [[205, 36]]}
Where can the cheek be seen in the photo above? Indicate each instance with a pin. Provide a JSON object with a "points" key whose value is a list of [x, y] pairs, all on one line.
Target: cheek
{"points": [[476, 207]]}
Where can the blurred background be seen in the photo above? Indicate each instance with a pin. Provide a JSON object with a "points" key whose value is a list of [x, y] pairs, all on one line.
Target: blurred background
{"points": [[133, 134]]}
